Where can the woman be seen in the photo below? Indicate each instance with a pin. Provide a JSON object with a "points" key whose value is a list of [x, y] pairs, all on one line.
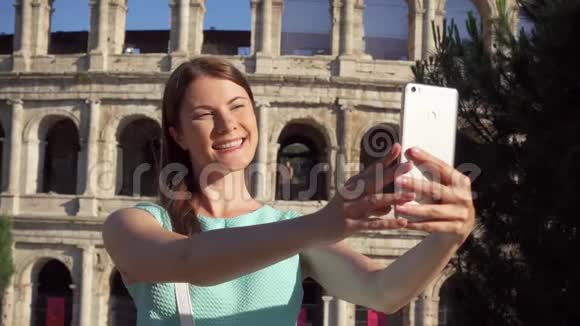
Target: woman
{"points": [[244, 261]]}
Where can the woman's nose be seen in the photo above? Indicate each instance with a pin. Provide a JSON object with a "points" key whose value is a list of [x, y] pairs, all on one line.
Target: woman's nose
{"points": [[225, 122]]}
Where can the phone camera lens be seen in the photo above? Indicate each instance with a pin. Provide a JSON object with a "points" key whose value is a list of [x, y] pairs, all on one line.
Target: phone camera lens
{"points": [[413, 89]]}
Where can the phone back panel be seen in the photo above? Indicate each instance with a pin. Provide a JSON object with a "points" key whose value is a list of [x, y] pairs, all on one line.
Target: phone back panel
{"points": [[428, 121]]}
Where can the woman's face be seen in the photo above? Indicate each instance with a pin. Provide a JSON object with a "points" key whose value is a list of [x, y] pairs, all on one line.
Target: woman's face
{"points": [[214, 112]]}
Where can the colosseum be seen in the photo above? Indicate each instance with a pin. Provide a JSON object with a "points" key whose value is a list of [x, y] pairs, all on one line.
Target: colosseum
{"points": [[79, 111]]}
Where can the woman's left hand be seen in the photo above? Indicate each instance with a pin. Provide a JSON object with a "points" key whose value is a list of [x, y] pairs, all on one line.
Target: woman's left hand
{"points": [[452, 212]]}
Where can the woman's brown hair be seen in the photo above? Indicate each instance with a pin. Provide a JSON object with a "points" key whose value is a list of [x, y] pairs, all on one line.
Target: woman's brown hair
{"points": [[181, 211]]}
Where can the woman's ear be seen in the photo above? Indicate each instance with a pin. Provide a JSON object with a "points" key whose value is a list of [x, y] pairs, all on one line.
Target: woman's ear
{"points": [[176, 135]]}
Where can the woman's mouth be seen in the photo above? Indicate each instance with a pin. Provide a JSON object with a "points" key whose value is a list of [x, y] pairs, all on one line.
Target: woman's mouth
{"points": [[230, 147]]}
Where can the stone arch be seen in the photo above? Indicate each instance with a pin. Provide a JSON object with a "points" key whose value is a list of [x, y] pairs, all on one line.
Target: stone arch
{"points": [[375, 144], [30, 266], [139, 142], [296, 39], [33, 129], [117, 123], [25, 277], [329, 137], [121, 309], [387, 29], [34, 136], [59, 42], [53, 287], [450, 295], [109, 135], [487, 8], [303, 146], [359, 134], [444, 276]]}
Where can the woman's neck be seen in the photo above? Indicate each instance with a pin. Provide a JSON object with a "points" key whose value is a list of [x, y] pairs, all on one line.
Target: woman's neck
{"points": [[224, 196]]}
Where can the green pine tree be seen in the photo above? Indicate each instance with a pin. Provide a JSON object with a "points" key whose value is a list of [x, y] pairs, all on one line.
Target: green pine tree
{"points": [[6, 264], [520, 117]]}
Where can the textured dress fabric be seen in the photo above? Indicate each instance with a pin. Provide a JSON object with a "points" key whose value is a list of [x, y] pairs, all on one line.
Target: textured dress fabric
{"points": [[270, 296]]}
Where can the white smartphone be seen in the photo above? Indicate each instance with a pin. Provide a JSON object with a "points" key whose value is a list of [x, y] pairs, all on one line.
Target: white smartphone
{"points": [[428, 121]]}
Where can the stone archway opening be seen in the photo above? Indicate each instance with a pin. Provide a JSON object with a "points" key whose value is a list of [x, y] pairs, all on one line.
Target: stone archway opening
{"points": [[67, 36], [312, 310], [375, 144], [452, 300], [139, 153], [457, 10], [301, 158], [386, 29], [365, 316], [122, 310], [53, 295], [306, 28], [61, 150]]}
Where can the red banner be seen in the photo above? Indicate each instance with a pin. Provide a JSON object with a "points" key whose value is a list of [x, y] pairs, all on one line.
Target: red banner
{"points": [[375, 318], [55, 311], [302, 317]]}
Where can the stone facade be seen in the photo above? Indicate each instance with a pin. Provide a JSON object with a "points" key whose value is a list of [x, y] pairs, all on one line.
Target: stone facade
{"points": [[340, 97]]}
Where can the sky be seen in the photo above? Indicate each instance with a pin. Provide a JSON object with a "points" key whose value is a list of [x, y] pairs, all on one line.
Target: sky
{"points": [[73, 15], [383, 18]]}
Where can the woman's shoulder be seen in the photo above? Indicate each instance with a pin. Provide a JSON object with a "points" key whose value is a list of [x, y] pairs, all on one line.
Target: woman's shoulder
{"points": [[157, 211]]}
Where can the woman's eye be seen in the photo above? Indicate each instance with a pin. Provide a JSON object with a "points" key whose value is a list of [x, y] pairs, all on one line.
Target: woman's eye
{"points": [[237, 107], [202, 115]]}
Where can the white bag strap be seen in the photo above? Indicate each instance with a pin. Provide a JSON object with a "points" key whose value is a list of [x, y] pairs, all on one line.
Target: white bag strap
{"points": [[184, 306]]}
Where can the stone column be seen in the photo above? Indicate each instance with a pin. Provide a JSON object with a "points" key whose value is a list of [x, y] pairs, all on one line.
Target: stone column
{"points": [[183, 30], [425, 313], [87, 285], [272, 168], [8, 304], [266, 44], [255, 33], [15, 152], [108, 169], [344, 313], [98, 48], [416, 32], [335, 18], [326, 309], [24, 302], [196, 17], [347, 28], [41, 12], [430, 15], [277, 12], [116, 17], [262, 161], [331, 171], [90, 167], [344, 134], [22, 35]]}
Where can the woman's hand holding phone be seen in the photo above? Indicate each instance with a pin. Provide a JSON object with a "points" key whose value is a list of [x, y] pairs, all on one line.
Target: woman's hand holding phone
{"points": [[451, 210], [362, 196]]}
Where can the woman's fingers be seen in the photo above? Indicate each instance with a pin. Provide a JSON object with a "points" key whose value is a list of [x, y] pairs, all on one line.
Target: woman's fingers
{"points": [[375, 177], [427, 212], [439, 170], [434, 190], [451, 227], [379, 201], [380, 223]]}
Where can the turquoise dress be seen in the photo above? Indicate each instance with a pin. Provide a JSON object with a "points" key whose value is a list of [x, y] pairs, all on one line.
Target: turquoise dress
{"points": [[270, 296]]}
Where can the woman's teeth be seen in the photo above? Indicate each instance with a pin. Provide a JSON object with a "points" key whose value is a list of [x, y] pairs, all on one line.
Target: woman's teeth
{"points": [[230, 145]]}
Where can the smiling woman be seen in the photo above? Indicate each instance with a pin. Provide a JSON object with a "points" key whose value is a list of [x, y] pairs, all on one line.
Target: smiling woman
{"points": [[238, 261]]}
